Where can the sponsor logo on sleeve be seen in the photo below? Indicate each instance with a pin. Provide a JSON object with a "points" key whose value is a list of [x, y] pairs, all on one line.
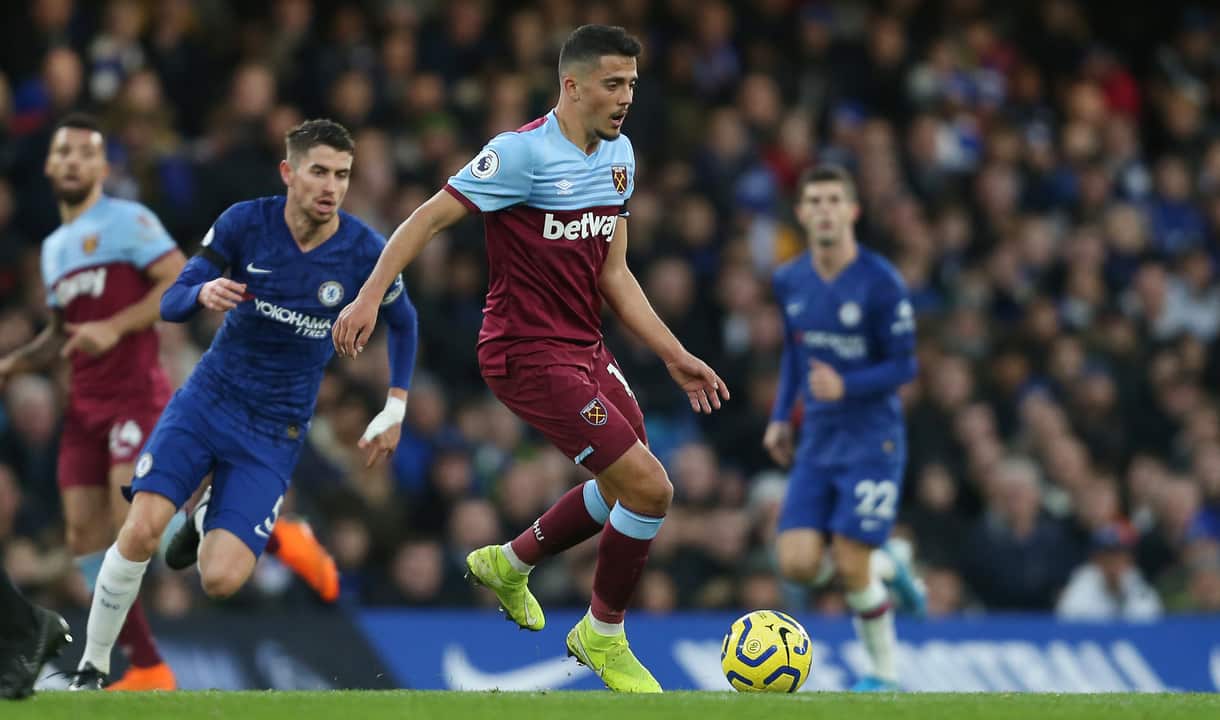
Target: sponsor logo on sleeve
{"points": [[485, 164]]}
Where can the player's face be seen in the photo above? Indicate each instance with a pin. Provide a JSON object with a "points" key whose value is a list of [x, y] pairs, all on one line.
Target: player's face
{"points": [[76, 163], [318, 182], [606, 93], [826, 211]]}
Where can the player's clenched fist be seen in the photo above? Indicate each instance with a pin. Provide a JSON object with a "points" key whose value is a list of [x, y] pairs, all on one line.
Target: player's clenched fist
{"points": [[221, 294], [354, 326]]}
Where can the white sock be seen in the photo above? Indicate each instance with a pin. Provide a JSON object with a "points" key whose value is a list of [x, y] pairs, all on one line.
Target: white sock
{"points": [[882, 566], [876, 632], [118, 584], [518, 565], [826, 571], [604, 628]]}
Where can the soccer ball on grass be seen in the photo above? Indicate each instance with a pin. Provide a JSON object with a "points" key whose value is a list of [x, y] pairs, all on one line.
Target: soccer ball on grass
{"points": [[766, 651]]}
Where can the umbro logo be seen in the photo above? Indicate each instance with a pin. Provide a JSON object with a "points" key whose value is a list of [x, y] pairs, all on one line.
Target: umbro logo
{"points": [[256, 271], [564, 187], [794, 308]]}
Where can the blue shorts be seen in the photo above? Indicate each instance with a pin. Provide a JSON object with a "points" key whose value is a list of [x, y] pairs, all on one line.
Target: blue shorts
{"points": [[250, 467], [859, 501]]}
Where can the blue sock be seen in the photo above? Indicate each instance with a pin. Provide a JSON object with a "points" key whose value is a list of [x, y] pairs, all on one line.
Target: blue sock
{"points": [[634, 525], [595, 503]]}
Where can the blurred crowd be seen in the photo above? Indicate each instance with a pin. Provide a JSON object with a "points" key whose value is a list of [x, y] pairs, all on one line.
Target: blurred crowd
{"points": [[1046, 176]]}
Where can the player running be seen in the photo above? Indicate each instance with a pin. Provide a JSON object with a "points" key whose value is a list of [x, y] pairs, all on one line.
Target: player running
{"points": [[554, 196], [849, 344], [244, 412], [104, 269]]}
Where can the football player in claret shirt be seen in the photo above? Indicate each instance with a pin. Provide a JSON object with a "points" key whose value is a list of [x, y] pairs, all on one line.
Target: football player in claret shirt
{"points": [[554, 199], [243, 413], [104, 270], [849, 345]]}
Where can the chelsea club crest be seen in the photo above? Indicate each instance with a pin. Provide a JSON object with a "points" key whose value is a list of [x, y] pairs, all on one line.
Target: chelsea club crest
{"points": [[849, 313], [330, 293]]}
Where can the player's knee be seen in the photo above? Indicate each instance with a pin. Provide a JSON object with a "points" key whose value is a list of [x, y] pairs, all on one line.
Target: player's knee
{"points": [[139, 538], [220, 582], [656, 492], [799, 567]]}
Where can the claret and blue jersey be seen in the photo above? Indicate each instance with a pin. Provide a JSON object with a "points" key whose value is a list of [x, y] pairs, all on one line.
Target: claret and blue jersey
{"points": [[244, 410], [852, 451], [550, 210]]}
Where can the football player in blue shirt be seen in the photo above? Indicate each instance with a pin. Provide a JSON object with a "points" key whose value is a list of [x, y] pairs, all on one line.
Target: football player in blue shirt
{"points": [[849, 344], [244, 412]]}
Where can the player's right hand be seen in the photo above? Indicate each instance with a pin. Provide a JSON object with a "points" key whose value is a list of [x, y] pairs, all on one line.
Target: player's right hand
{"points": [[778, 440], [221, 294], [355, 326]]}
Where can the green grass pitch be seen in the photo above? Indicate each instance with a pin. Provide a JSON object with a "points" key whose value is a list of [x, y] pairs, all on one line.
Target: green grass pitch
{"points": [[421, 705]]}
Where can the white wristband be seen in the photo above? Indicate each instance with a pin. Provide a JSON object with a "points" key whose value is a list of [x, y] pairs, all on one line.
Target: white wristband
{"points": [[392, 414]]}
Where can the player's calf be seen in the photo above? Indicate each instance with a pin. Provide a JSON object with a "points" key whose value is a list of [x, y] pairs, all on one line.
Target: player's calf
{"points": [[225, 563]]}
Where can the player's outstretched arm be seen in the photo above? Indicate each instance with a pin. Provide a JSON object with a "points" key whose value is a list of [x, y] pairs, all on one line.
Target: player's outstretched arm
{"points": [[98, 337], [626, 298], [356, 321], [37, 353], [381, 436]]}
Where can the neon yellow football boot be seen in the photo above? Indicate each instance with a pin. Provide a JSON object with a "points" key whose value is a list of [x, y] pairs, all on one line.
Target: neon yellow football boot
{"points": [[489, 567], [611, 659]]}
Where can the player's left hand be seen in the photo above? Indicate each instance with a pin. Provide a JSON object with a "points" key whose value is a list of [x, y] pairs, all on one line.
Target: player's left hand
{"points": [[91, 338], [381, 436], [825, 382], [703, 386], [355, 326]]}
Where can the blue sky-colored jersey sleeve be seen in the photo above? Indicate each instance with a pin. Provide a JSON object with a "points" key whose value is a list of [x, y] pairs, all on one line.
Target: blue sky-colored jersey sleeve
{"points": [[499, 176], [790, 375], [892, 326], [146, 238]]}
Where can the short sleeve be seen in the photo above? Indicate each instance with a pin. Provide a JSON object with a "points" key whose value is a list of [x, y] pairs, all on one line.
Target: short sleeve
{"points": [[221, 242], [148, 238], [48, 274], [499, 176]]}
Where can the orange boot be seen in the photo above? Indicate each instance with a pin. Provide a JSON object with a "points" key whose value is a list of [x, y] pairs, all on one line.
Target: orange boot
{"points": [[156, 677], [294, 544]]}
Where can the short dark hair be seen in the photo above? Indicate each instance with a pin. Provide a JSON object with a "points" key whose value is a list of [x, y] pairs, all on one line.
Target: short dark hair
{"points": [[312, 133], [828, 173], [79, 121], [588, 43]]}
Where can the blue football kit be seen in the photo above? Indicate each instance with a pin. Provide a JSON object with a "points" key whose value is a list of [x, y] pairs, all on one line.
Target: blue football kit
{"points": [[244, 411], [851, 453]]}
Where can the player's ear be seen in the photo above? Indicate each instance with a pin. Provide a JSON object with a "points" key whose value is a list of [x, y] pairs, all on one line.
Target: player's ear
{"points": [[571, 87], [285, 172]]}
